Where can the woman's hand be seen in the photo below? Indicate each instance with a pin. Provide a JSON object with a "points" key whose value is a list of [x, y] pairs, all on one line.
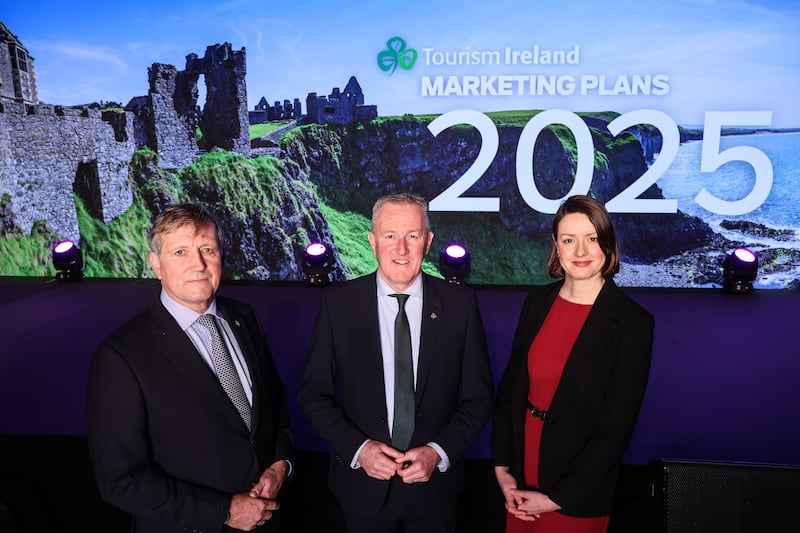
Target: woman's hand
{"points": [[532, 503], [508, 485]]}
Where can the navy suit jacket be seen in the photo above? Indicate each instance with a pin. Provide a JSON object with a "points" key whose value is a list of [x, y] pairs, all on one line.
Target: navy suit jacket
{"points": [[166, 443], [594, 408], [342, 389]]}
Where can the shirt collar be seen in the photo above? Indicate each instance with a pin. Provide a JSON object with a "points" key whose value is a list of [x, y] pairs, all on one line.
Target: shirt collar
{"points": [[184, 316], [414, 290]]}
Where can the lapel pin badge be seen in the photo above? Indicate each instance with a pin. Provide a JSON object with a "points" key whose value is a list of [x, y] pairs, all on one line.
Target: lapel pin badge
{"points": [[434, 316]]}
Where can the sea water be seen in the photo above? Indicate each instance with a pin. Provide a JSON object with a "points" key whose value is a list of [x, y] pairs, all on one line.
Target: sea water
{"points": [[733, 181]]}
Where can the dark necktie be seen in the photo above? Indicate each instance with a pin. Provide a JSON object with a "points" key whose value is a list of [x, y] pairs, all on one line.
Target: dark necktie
{"points": [[403, 424], [226, 372]]}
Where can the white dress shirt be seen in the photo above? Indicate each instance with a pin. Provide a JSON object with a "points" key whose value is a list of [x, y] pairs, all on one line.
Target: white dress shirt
{"points": [[387, 312]]}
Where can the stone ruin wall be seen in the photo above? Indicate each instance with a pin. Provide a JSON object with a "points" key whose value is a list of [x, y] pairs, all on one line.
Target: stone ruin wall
{"points": [[168, 117], [16, 84], [52, 152], [263, 112], [339, 107], [170, 123], [48, 152], [224, 120]]}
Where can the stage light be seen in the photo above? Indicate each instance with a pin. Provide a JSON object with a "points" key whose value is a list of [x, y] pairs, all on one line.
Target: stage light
{"points": [[317, 264], [739, 271], [454, 263], [68, 261]]}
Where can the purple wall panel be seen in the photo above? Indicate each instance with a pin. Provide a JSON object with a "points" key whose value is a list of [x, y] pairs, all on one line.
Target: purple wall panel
{"points": [[723, 382]]}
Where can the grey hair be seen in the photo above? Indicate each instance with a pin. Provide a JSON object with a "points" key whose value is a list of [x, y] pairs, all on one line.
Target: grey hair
{"points": [[402, 198]]}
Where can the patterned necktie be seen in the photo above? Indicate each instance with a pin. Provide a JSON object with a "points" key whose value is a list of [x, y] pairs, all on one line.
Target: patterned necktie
{"points": [[403, 424], [226, 372]]}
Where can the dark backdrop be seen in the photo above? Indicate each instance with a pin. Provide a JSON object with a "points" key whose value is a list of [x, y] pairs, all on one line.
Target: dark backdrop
{"points": [[722, 385]]}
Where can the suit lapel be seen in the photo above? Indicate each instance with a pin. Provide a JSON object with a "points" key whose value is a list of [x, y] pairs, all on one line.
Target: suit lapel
{"points": [[599, 324], [368, 328], [539, 311], [587, 355], [432, 309], [177, 348]]}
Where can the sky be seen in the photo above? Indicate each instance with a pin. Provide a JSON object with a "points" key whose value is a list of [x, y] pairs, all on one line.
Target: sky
{"points": [[715, 55]]}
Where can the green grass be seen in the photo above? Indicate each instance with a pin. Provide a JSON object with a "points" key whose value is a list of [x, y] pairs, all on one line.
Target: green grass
{"points": [[350, 237], [243, 186], [518, 118], [118, 249], [259, 130], [115, 250], [28, 255]]}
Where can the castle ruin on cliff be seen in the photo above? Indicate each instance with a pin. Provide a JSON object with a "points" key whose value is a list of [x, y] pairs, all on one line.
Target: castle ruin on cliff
{"points": [[263, 112], [50, 152], [339, 107], [17, 78], [167, 119]]}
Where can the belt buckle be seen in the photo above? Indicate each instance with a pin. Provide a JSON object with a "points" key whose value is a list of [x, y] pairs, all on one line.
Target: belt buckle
{"points": [[538, 413]]}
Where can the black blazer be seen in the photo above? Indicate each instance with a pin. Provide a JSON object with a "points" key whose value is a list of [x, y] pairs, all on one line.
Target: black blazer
{"points": [[166, 443], [595, 405], [342, 389]]}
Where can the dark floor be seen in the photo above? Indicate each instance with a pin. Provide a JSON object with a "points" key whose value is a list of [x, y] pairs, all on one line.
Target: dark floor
{"points": [[46, 486]]}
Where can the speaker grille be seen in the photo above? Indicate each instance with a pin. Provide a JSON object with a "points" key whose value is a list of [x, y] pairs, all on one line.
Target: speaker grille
{"points": [[700, 497]]}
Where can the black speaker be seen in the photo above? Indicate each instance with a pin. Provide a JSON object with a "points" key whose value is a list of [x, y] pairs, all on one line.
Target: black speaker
{"points": [[719, 497]]}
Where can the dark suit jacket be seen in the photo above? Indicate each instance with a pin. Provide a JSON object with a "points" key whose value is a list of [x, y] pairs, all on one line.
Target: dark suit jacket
{"points": [[595, 405], [166, 443], [342, 389]]}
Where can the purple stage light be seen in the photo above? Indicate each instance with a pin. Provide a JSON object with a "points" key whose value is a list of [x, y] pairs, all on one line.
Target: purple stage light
{"points": [[455, 251], [316, 251], [745, 255], [316, 264], [739, 271], [68, 261], [454, 263]]}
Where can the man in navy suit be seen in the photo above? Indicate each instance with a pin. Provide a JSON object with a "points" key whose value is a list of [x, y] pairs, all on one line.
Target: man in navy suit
{"points": [[168, 443], [348, 387]]}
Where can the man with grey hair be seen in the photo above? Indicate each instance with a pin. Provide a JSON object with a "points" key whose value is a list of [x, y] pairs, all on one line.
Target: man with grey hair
{"points": [[398, 381], [187, 418]]}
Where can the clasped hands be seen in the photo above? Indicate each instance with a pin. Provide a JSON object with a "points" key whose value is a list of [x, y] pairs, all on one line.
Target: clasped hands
{"points": [[381, 461], [526, 505], [250, 509]]}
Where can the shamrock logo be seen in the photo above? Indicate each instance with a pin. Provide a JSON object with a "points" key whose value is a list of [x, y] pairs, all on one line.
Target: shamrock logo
{"points": [[396, 54]]}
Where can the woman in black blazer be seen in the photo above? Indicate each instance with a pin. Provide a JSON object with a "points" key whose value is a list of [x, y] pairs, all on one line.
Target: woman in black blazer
{"points": [[574, 383]]}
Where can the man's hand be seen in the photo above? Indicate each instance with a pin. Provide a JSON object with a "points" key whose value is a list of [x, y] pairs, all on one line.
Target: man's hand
{"points": [[417, 464], [378, 459], [247, 512], [271, 481]]}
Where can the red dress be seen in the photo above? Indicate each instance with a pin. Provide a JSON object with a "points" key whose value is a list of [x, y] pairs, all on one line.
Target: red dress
{"points": [[546, 359]]}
